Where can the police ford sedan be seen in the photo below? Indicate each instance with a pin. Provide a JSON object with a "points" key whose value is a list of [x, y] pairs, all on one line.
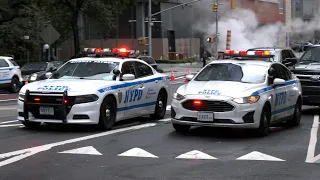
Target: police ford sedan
{"points": [[238, 94], [91, 90]]}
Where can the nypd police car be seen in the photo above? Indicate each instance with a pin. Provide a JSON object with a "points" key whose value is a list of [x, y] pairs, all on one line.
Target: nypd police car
{"points": [[10, 74], [243, 93], [102, 89]]}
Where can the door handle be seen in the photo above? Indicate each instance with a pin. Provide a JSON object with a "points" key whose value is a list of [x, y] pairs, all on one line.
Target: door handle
{"points": [[141, 85]]}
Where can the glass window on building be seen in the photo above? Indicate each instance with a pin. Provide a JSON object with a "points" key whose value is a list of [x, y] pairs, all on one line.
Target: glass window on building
{"points": [[281, 6]]}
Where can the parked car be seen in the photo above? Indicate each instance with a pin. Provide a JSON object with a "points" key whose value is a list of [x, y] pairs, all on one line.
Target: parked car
{"points": [[151, 61], [10, 74], [35, 71]]}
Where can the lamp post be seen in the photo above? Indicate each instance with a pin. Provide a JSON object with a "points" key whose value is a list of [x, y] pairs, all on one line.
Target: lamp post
{"points": [[46, 48]]}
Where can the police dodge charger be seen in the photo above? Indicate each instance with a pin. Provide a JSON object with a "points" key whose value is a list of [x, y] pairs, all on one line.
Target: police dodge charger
{"points": [[95, 90], [249, 94]]}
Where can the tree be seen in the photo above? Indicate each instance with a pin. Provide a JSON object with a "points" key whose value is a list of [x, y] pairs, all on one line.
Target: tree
{"points": [[67, 12]]}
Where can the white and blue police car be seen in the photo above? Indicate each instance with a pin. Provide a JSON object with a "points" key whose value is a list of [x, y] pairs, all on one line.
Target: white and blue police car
{"points": [[10, 74], [238, 93], [101, 87]]}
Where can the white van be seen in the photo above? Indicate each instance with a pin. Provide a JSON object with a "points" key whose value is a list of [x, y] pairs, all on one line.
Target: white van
{"points": [[10, 74]]}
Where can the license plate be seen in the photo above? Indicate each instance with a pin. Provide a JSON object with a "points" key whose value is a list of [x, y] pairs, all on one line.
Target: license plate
{"points": [[46, 111], [205, 116]]}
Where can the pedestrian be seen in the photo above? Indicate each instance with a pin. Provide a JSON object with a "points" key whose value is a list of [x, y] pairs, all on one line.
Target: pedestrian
{"points": [[204, 58]]}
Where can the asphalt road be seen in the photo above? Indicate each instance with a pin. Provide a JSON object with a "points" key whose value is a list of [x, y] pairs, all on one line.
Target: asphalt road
{"points": [[144, 149]]}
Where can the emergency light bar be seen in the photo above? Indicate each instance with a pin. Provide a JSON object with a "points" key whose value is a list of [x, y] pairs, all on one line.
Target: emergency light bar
{"points": [[114, 52], [251, 54]]}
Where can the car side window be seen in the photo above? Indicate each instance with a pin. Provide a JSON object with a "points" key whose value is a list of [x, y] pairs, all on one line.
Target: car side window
{"points": [[128, 68], [3, 63], [13, 62], [282, 72], [151, 61], [287, 72], [143, 70]]}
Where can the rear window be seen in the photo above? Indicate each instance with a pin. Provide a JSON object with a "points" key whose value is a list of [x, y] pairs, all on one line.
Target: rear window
{"points": [[148, 59], [312, 55]]}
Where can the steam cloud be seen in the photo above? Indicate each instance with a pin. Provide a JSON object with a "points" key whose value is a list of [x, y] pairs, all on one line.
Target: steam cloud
{"points": [[246, 32]]}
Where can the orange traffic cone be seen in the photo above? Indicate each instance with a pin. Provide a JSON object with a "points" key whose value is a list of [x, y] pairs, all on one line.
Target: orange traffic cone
{"points": [[188, 72], [172, 76]]}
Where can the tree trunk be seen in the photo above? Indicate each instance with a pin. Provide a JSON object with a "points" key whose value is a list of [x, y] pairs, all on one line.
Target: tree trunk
{"points": [[75, 31]]}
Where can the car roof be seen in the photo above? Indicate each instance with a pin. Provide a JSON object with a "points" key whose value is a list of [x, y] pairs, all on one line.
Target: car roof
{"points": [[253, 62], [6, 57]]}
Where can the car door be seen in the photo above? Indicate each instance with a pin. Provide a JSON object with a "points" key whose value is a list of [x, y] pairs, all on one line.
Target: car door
{"points": [[280, 95], [292, 90], [150, 87], [4, 72], [133, 91]]}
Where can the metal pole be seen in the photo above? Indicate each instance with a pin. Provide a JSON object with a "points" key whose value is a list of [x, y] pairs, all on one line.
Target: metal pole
{"points": [[217, 33], [150, 29]]}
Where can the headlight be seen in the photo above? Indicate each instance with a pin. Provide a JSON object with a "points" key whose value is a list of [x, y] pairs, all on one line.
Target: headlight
{"points": [[33, 77], [21, 96], [247, 100], [178, 96], [86, 98]]}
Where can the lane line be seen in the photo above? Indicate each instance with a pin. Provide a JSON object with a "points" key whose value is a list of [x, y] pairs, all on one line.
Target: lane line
{"points": [[165, 120], [313, 139], [10, 125], [6, 122], [8, 100], [21, 154]]}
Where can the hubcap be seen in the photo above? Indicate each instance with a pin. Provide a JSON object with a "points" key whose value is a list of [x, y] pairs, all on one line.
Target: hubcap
{"points": [[160, 104], [108, 113]]}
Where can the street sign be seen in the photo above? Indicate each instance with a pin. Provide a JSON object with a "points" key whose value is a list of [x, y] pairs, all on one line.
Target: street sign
{"points": [[50, 35]]}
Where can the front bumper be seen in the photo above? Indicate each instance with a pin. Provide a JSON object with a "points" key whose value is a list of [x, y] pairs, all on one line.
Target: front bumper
{"points": [[241, 116], [311, 95], [84, 113]]}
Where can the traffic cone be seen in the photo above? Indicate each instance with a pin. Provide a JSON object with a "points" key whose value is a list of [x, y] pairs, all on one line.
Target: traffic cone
{"points": [[188, 72], [172, 76]]}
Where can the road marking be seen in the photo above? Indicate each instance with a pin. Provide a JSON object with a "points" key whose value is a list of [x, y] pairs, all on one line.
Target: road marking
{"points": [[195, 154], [6, 122], [313, 141], [137, 152], [21, 154], [8, 100], [255, 155], [165, 120], [9, 125], [84, 150], [12, 107]]}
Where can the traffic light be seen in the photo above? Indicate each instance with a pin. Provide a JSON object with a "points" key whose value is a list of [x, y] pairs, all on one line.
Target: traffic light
{"points": [[210, 39], [215, 7], [233, 4], [142, 41]]}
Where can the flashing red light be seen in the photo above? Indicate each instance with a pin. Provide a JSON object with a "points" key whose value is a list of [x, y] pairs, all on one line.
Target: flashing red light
{"points": [[259, 53], [123, 50], [243, 53], [98, 50], [197, 102], [36, 99], [66, 101]]}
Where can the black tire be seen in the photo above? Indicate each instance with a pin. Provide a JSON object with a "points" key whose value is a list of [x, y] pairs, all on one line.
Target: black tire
{"points": [[108, 114], [264, 126], [295, 121], [161, 106], [15, 85], [31, 125], [181, 128]]}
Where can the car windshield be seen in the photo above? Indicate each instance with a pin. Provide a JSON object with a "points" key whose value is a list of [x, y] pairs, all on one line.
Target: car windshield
{"points": [[312, 55], [57, 64], [86, 69], [242, 72], [35, 66]]}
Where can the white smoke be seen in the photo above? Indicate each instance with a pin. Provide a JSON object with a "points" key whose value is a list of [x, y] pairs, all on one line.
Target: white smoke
{"points": [[246, 32]]}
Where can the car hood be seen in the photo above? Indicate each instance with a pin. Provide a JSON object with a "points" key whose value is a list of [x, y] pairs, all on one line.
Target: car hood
{"points": [[29, 72], [73, 86], [312, 68], [222, 88]]}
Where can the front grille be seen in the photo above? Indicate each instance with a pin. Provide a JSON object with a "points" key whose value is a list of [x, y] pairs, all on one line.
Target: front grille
{"points": [[50, 100], [212, 106], [248, 118], [222, 121]]}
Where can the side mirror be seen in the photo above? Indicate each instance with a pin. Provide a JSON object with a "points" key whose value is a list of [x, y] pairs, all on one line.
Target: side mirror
{"points": [[128, 77], [290, 61], [48, 75], [116, 72], [278, 81], [189, 77]]}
